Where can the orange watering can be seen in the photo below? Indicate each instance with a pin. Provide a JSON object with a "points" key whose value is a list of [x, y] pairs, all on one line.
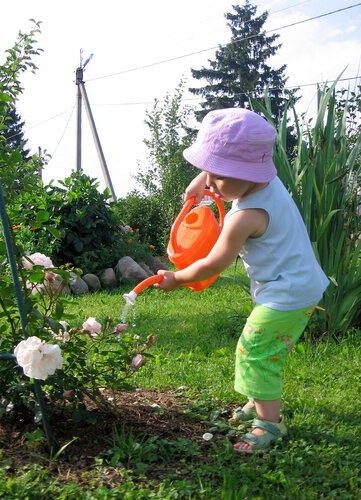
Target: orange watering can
{"points": [[192, 237]]}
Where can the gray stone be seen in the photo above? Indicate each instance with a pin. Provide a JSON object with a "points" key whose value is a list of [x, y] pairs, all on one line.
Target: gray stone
{"points": [[128, 269], [155, 264], [109, 278], [58, 285], [77, 285], [146, 268], [92, 281]]}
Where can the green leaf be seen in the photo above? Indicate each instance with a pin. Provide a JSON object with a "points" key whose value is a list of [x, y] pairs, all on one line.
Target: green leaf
{"points": [[42, 216], [55, 232], [36, 277], [59, 309], [5, 98], [77, 416]]}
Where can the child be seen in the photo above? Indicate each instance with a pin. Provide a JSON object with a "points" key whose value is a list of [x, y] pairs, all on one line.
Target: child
{"points": [[234, 150]]}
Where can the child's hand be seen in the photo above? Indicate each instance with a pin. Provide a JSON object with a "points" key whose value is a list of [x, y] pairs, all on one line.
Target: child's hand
{"points": [[168, 283], [196, 188]]}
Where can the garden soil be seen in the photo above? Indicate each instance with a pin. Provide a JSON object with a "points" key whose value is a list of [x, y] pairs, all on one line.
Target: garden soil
{"points": [[137, 416]]}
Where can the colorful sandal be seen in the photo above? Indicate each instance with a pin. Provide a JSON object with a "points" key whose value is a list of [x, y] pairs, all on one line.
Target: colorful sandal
{"points": [[261, 444], [243, 414]]}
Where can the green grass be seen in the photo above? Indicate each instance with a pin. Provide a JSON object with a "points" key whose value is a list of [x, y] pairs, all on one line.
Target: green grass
{"points": [[196, 335]]}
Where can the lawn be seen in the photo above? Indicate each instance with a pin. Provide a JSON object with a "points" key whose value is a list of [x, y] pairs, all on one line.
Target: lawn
{"points": [[155, 448]]}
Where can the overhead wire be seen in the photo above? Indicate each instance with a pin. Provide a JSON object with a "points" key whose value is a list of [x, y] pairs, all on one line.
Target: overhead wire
{"points": [[218, 46], [291, 87], [44, 121], [65, 129]]}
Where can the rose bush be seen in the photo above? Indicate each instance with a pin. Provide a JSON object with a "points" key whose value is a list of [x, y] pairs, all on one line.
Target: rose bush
{"points": [[76, 362]]}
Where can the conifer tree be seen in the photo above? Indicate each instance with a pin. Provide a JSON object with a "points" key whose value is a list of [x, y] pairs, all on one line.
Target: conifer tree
{"points": [[240, 69], [14, 133]]}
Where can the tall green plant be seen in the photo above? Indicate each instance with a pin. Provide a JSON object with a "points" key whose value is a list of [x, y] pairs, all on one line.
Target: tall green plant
{"points": [[322, 179], [167, 174], [16, 174]]}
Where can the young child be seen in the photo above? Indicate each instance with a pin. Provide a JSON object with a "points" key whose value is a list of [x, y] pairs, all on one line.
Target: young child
{"points": [[234, 150]]}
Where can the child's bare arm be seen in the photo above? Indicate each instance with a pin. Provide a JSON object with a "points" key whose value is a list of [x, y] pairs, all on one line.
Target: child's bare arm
{"points": [[240, 226]]}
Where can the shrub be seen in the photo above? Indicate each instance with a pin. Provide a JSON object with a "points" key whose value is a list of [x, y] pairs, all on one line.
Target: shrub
{"points": [[91, 234], [144, 214]]}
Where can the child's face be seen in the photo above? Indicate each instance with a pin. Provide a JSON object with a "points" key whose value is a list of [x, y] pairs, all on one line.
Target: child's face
{"points": [[230, 189]]}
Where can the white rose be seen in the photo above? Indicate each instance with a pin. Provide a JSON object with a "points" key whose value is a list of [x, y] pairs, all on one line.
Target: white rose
{"points": [[92, 326], [37, 359], [39, 259]]}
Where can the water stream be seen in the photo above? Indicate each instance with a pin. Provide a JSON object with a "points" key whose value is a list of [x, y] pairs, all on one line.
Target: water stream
{"points": [[127, 310]]}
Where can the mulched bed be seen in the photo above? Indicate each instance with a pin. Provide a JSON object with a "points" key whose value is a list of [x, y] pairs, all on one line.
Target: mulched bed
{"points": [[136, 415]]}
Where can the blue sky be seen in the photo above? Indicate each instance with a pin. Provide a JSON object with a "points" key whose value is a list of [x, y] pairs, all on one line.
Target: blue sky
{"points": [[124, 37]]}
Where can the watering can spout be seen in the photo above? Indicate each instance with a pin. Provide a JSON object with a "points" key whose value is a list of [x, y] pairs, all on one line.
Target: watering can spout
{"points": [[131, 296]]}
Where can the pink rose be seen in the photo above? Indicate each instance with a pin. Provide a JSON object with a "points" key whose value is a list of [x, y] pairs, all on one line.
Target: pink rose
{"points": [[138, 361], [67, 394], [121, 327], [92, 326], [39, 259]]}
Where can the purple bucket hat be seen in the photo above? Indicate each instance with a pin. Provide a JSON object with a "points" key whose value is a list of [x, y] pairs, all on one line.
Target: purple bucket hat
{"points": [[234, 142]]}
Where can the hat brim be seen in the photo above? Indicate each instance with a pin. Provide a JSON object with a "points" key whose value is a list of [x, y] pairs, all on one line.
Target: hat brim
{"points": [[226, 167]]}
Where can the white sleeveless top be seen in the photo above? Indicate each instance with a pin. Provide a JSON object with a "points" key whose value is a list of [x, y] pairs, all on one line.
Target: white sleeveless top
{"points": [[281, 263]]}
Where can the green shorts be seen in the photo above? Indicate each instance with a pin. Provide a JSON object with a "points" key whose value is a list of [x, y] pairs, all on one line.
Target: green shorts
{"points": [[262, 349]]}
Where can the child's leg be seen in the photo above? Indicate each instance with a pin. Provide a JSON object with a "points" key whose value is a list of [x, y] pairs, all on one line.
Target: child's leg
{"points": [[266, 410], [262, 349], [269, 410]]}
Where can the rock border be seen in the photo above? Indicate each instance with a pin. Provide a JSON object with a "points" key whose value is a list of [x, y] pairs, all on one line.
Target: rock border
{"points": [[127, 270]]}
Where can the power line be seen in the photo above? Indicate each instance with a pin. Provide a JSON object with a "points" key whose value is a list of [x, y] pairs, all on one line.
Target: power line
{"points": [[213, 48], [293, 87], [290, 7], [65, 129], [44, 121]]}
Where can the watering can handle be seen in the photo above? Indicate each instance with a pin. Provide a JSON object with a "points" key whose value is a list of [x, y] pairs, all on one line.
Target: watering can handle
{"points": [[188, 205]]}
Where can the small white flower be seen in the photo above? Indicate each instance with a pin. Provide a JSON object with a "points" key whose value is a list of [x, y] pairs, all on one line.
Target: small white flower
{"points": [[64, 324], [92, 326], [136, 446], [66, 337], [207, 436], [37, 359]]}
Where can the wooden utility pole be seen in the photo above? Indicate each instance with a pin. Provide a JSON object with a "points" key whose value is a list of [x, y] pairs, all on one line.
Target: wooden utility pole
{"points": [[79, 78], [82, 96]]}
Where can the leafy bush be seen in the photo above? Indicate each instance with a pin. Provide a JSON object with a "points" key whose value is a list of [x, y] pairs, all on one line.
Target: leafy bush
{"points": [[323, 180], [144, 214], [92, 237]]}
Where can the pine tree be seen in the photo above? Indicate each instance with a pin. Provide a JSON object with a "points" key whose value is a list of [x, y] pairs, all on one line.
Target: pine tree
{"points": [[240, 68], [14, 134]]}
